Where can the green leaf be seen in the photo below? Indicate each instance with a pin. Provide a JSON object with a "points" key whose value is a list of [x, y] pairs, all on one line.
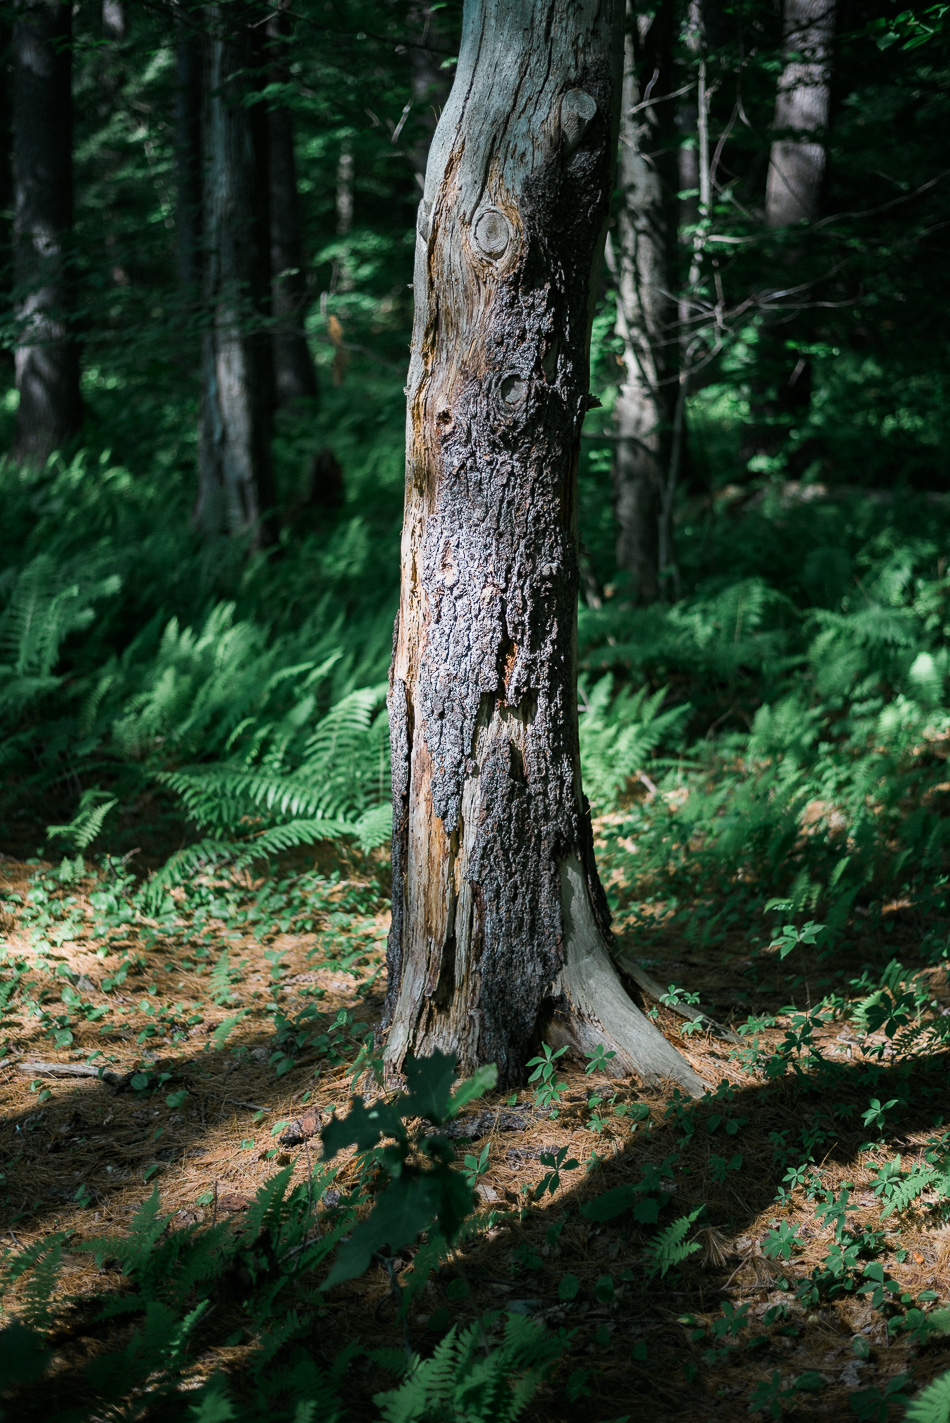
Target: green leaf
{"points": [[362, 1127], [568, 1287], [610, 1204], [401, 1213], [481, 1081], [429, 1087]]}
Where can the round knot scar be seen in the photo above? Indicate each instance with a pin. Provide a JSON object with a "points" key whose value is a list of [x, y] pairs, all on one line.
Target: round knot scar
{"points": [[492, 233], [577, 110], [513, 390]]}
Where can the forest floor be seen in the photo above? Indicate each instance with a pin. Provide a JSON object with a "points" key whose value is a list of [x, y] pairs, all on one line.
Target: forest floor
{"points": [[806, 1277]]}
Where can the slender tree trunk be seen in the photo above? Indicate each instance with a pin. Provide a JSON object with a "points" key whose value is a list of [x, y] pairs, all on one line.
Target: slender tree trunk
{"points": [[189, 103], [797, 156], [344, 189], [235, 485], [294, 372], [646, 306], [46, 357], [793, 198], [499, 920]]}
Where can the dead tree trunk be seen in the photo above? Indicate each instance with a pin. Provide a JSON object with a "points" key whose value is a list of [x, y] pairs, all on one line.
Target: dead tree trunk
{"points": [[499, 920], [235, 481], [644, 256], [294, 374], [46, 356]]}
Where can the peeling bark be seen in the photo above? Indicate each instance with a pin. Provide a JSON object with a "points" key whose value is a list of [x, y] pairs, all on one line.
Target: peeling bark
{"points": [[499, 920]]}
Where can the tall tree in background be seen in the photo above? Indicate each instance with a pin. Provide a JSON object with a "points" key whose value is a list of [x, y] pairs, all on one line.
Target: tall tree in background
{"points": [[294, 372], [796, 173], [499, 919], [189, 103], [235, 479], [47, 359], [644, 260]]}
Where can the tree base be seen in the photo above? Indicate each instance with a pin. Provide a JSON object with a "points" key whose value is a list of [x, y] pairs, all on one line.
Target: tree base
{"points": [[595, 1007]]}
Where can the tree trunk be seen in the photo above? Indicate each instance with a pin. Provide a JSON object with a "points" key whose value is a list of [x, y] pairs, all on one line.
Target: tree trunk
{"points": [[797, 155], [796, 173], [344, 189], [189, 102], [294, 373], [46, 357], [646, 309], [499, 920], [235, 486]]}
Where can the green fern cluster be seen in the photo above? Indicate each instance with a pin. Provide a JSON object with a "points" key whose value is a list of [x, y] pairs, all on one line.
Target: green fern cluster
{"points": [[468, 1381]]}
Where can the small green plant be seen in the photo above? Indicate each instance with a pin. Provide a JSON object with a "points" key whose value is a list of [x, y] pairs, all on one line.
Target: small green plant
{"points": [[549, 1091]]}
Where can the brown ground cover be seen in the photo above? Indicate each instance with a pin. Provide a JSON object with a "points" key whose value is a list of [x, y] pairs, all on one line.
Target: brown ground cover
{"points": [[228, 1028]]}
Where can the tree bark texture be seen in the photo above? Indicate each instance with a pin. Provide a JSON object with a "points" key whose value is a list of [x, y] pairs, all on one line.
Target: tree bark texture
{"points": [[235, 485], [499, 919], [46, 356], [294, 372], [797, 155], [647, 313], [189, 102]]}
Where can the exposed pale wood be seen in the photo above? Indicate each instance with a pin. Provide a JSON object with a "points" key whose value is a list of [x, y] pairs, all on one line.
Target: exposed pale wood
{"points": [[489, 938]]}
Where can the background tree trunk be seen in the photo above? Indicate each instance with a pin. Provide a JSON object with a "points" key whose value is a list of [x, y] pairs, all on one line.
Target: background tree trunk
{"points": [[189, 101], [646, 305], [499, 919], [294, 372], [235, 485], [802, 106], [793, 197], [46, 357]]}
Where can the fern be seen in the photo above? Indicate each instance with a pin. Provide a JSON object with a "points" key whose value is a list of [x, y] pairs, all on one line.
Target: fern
{"points": [[461, 1382], [619, 734], [670, 1247], [932, 1404]]}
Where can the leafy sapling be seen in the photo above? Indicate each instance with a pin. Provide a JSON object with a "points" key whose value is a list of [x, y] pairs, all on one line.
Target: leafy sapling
{"points": [[549, 1092], [425, 1188]]}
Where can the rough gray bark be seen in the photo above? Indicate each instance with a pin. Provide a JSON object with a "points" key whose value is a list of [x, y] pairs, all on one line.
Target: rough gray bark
{"points": [[235, 481], [499, 919], [189, 100], [647, 315], [294, 373], [797, 155], [46, 356]]}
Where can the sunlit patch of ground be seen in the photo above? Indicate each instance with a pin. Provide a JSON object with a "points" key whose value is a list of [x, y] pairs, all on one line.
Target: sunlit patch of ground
{"points": [[235, 1018]]}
